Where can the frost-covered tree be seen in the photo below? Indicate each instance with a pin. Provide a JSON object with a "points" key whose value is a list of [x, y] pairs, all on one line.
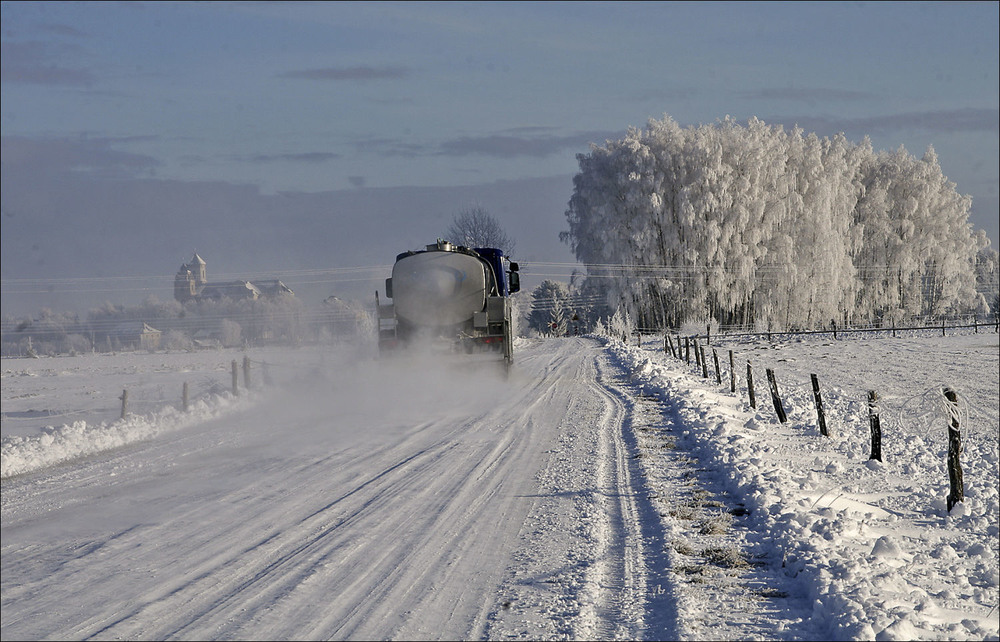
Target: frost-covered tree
{"points": [[476, 227], [550, 308], [917, 253], [620, 325], [589, 298], [755, 225], [231, 333], [176, 340], [988, 277]]}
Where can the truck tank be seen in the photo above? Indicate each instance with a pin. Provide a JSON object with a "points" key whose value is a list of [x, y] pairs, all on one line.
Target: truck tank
{"points": [[438, 289], [450, 294]]}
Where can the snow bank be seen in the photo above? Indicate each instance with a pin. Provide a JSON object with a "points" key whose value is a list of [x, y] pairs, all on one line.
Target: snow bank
{"points": [[82, 393], [24, 454], [870, 543]]}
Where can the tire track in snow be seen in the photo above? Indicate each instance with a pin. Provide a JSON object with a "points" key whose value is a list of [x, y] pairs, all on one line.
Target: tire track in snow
{"points": [[644, 607], [327, 540], [227, 576], [615, 581], [591, 543]]}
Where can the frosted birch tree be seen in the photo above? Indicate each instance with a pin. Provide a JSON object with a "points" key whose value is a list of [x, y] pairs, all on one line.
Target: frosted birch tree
{"points": [[760, 226]]}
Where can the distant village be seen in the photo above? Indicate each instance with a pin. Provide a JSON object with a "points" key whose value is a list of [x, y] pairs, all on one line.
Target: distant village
{"points": [[212, 315], [191, 284]]}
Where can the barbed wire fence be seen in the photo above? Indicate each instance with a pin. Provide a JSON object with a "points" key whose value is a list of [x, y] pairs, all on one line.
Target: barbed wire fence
{"points": [[922, 413]]}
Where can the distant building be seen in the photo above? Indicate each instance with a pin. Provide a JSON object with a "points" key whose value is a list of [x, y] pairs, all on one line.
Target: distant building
{"points": [[273, 288], [191, 284], [234, 290], [135, 335]]}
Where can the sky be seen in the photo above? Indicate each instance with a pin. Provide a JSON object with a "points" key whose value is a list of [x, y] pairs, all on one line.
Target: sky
{"points": [[288, 138]]}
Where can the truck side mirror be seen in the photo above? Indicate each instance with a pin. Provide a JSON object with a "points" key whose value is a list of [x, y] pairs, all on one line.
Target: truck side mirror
{"points": [[513, 266], [388, 288], [515, 282]]}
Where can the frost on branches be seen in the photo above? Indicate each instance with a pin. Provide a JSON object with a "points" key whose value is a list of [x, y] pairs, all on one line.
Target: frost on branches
{"points": [[757, 226]]}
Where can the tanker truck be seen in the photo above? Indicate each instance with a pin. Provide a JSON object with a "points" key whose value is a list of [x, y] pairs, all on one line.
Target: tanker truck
{"points": [[451, 297]]}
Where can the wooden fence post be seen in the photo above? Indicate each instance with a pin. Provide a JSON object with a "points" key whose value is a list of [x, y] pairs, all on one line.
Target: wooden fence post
{"points": [[732, 373], [124, 399], [236, 379], [876, 426], [957, 493], [774, 396], [820, 415], [750, 391], [687, 349], [718, 372], [184, 396], [246, 372], [704, 363], [697, 352]]}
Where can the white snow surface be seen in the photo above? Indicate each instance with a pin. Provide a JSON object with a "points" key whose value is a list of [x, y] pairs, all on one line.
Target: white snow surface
{"points": [[600, 491]]}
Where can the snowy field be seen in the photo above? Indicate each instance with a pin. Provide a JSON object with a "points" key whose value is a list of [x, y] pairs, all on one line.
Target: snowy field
{"points": [[601, 491]]}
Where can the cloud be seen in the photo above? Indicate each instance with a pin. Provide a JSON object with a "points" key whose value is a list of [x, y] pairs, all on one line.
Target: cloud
{"points": [[28, 63], [93, 156], [810, 95], [304, 157], [519, 142], [361, 73], [392, 147], [62, 30], [45, 75], [660, 95], [510, 145], [948, 121]]}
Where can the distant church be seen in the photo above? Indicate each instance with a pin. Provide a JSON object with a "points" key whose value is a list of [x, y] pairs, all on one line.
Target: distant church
{"points": [[191, 284]]}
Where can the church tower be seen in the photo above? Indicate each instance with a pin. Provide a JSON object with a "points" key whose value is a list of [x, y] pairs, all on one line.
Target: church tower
{"points": [[190, 280], [197, 267]]}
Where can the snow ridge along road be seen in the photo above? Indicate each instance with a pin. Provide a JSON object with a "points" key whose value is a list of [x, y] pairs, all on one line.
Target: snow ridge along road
{"points": [[370, 501]]}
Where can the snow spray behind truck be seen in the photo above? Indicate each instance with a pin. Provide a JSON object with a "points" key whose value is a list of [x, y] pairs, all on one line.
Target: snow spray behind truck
{"points": [[449, 296]]}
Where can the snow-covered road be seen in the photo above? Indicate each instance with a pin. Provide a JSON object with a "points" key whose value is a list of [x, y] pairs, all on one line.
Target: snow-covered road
{"points": [[601, 491], [368, 501]]}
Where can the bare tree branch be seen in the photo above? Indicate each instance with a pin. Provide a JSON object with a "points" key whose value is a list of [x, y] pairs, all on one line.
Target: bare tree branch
{"points": [[476, 227]]}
